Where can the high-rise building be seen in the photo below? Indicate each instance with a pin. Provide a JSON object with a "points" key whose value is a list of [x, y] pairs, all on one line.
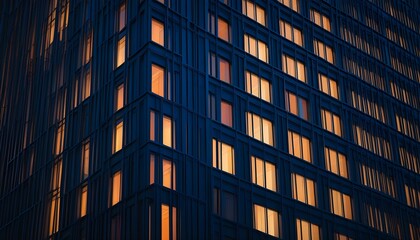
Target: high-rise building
{"points": [[210, 119]]}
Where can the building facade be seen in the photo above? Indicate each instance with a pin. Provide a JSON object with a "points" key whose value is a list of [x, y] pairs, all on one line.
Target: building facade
{"points": [[210, 119]]}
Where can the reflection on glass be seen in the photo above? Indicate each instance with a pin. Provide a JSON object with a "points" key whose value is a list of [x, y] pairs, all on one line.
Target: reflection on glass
{"points": [[158, 32]]}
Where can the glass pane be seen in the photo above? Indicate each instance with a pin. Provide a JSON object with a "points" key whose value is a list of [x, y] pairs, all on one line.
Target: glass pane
{"points": [[118, 136], [120, 97], [256, 121], [337, 125], [306, 147], [315, 232], [267, 132], [152, 169], [226, 113], [347, 207], [270, 174], [116, 188], [265, 90], [301, 72], [300, 188], [293, 108], [167, 173], [223, 30], [260, 172], [250, 9], [273, 223], [291, 67], [227, 158], [152, 126], [158, 74], [83, 202], [326, 23], [255, 85], [303, 109], [165, 223], [343, 165], [334, 161], [250, 130], [288, 29], [167, 131], [224, 69], [262, 51], [330, 57], [306, 234], [334, 89], [122, 17], [252, 46], [297, 36], [158, 32], [260, 15], [121, 51], [259, 218], [311, 192], [296, 145]]}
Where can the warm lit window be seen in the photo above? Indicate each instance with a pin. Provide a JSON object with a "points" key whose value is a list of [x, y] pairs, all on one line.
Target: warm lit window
{"points": [[223, 68], [376, 179], [64, 17], [368, 103], [291, 33], [414, 231], [168, 132], [50, 32], [223, 156], [59, 139], [338, 236], [75, 92], [55, 189], [253, 11], [266, 220], [294, 68], [116, 188], [222, 29], [264, 173], [320, 20], [152, 127], [168, 174], [86, 84], [122, 16], [168, 222], [297, 105], [158, 32], [85, 160], [88, 48], [259, 128], [412, 196], [336, 162], [331, 122], [299, 146], [226, 113], [304, 189], [118, 136], [120, 51], [119, 103], [306, 230], [224, 204], [323, 51], [409, 159], [256, 48], [258, 86], [292, 4], [328, 85], [340, 204], [407, 126], [83, 201], [383, 219], [158, 79]]}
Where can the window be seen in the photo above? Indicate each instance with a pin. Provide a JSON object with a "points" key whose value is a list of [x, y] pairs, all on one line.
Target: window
{"points": [[116, 227], [264, 173], [152, 169], [118, 136], [158, 75], [223, 28], [336, 162], [64, 17], [168, 174], [260, 128], [340, 204], [59, 139], [223, 156], [294, 68], [407, 126], [291, 33], [55, 191], [119, 103], [224, 204], [383, 220], [292, 4], [158, 32], [299, 146], [120, 52], [223, 71], [297, 105], [409, 160], [168, 222], [253, 11], [226, 113], [256, 48], [88, 48], [83, 201], [153, 131], [338, 236], [304, 189], [323, 51], [376, 179], [50, 32], [306, 230], [122, 12], [258, 86], [75, 92], [266, 220], [331, 122], [85, 160], [116, 188], [168, 133], [328, 86], [320, 20], [371, 142], [412, 196], [86, 85]]}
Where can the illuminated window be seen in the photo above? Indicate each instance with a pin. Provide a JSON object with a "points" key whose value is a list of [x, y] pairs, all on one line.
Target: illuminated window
{"points": [[383, 220], [119, 103], [226, 113], [85, 160], [152, 169], [264, 173], [158, 32], [88, 48], [259, 128], [328, 86], [292, 4], [83, 201], [86, 84], [168, 222], [266, 220], [158, 75], [116, 188], [223, 68], [331, 122], [49, 37], [412, 196], [338, 236], [306, 230], [323, 51], [340, 204], [75, 93], [291, 33], [59, 139], [55, 189], [153, 130], [253, 11], [223, 156], [168, 174], [294, 68], [118, 136], [409, 160], [258, 86], [372, 142], [223, 28], [336, 162], [414, 231], [304, 189], [64, 17], [297, 105], [376, 179], [299, 146], [122, 16], [120, 52], [320, 20], [224, 204], [407, 126], [256, 48], [168, 132]]}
